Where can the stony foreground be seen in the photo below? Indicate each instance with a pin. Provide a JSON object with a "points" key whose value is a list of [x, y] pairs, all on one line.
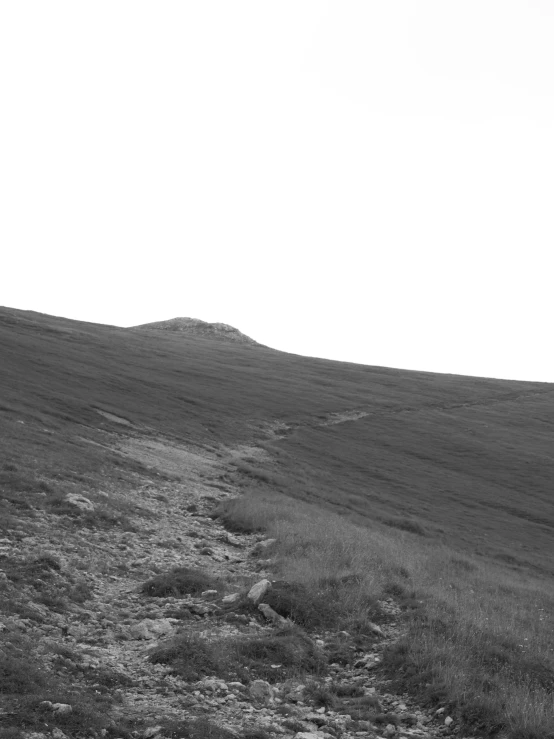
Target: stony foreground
{"points": [[113, 635]]}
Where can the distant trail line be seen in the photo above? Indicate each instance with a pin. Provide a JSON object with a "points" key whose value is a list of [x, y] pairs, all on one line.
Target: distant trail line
{"points": [[338, 417]]}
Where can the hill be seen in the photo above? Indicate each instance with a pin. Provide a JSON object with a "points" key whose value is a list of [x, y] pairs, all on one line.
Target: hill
{"points": [[196, 327], [411, 492]]}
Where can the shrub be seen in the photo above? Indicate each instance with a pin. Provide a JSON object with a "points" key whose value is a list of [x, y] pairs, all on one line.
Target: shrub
{"points": [[289, 647], [307, 607], [321, 695], [243, 657], [191, 657], [237, 518], [18, 675], [179, 581]]}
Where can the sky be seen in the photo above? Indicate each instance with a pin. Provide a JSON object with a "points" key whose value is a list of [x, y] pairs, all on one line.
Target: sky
{"points": [[370, 181]]}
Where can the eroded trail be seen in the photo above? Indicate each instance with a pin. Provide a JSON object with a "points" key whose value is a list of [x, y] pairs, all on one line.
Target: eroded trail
{"points": [[110, 637]]}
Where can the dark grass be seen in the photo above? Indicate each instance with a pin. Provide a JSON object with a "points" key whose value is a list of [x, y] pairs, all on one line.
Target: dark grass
{"points": [[349, 699], [25, 684], [495, 665], [316, 608], [242, 658], [51, 586], [179, 581]]}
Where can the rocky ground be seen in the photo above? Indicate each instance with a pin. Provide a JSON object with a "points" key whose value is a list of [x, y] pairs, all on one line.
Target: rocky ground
{"points": [[116, 630]]}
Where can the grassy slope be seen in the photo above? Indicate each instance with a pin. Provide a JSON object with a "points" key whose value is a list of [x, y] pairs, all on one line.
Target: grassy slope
{"points": [[463, 461], [479, 477], [186, 386], [464, 458]]}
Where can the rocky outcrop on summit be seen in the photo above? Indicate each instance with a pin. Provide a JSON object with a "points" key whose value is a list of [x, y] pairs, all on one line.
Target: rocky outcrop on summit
{"points": [[196, 327]]}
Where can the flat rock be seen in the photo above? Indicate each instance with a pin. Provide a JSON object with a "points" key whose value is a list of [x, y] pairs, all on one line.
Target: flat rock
{"points": [[150, 628], [232, 598], [79, 501]]}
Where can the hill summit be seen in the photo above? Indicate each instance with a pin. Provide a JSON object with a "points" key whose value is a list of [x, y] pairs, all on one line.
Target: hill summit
{"points": [[196, 327]]}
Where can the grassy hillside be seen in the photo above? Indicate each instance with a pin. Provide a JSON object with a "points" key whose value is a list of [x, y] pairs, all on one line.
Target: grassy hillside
{"points": [[467, 460], [478, 477], [442, 484]]}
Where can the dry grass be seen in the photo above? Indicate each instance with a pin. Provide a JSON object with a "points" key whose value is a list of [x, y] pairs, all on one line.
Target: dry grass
{"points": [[481, 639]]}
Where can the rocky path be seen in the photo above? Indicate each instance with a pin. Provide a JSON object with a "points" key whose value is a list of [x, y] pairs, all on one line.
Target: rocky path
{"points": [[112, 634]]}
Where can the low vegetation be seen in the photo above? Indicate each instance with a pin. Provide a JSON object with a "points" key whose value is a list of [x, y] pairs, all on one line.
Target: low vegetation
{"points": [[179, 581], [26, 687], [480, 637], [274, 656]]}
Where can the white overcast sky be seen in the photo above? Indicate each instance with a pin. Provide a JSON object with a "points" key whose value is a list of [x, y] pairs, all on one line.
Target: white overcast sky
{"points": [[370, 181]]}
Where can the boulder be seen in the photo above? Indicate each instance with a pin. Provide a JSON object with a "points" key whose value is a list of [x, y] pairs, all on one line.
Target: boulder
{"points": [[62, 709], [257, 591], [377, 630], [151, 732], [261, 691], [151, 628], [262, 547], [272, 615]]}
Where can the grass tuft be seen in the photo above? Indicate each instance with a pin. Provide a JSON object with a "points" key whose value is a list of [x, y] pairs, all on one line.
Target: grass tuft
{"points": [[275, 656], [179, 581]]}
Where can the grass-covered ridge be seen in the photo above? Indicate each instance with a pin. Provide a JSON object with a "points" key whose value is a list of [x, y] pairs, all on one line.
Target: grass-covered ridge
{"points": [[480, 638]]}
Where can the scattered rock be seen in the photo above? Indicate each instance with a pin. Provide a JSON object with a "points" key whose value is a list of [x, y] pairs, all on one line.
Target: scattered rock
{"points": [[107, 640]]}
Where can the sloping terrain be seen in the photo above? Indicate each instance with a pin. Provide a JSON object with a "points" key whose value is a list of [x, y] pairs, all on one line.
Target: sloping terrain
{"points": [[123, 453]]}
